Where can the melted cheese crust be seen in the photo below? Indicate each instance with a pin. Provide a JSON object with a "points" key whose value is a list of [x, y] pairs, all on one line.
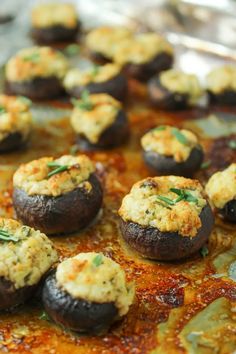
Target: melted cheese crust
{"points": [[26, 261], [165, 143], [33, 178], [52, 14], [102, 283], [179, 82], [93, 123], [98, 74], [105, 39], [16, 116], [221, 79], [142, 206], [221, 187], [30, 63], [141, 49]]}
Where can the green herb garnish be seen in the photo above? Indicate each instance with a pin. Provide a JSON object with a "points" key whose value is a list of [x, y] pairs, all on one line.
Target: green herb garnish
{"points": [[97, 261], [34, 57], [182, 195], [160, 128], [25, 100], [72, 49], [232, 144], [204, 251], [2, 110], [205, 165], [44, 316], [95, 70], [58, 168], [84, 103], [179, 136], [6, 236]]}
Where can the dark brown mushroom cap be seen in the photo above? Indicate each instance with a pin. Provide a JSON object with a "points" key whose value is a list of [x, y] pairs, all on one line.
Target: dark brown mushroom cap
{"points": [[115, 135], [11, 297], [55, 33], [11, 142], [163, 98], [116, 87], [225, 98], [166, 246], [166, 165], [229, 211], [76, 314], [37, 88], [145, 71], [66, 213]]}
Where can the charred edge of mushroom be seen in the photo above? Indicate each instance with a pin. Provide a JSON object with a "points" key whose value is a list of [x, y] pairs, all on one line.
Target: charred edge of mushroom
{"points": [[166, 246], [166, 165], [12, 142], [165, 99], [114, 135], [57, 33], [37, 88], [11, 297], [66, 213], [228, 212], [226, 98], [77, 314], [99, 58], [116, 87], [144, 72]]}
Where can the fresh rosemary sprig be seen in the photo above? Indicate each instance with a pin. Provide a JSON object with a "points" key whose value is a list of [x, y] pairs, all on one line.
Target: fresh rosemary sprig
{"points": [[58, 168], [84, 103], [182, 195], [2, 110], [34, 57], [179, 136], [6, 236], [97, 261]]}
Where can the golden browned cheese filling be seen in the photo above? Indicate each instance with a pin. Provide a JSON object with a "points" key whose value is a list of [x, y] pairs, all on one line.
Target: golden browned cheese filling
{"points": [[96, 74], [105, 39], [15, 116], [221, 79], [94, 277], [34, 62], [101, 115], [170, 141], [180, 82], [53, 14], [221, 187], [25, 254], [141, 49], [47, 176], [153, 202]]}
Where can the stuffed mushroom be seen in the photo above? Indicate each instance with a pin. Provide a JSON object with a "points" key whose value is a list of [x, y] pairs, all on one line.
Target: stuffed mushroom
{"points": [[221, 86], [26, 255], [87, 293], [15, 122], [174, 89], [144, 55], [97, 79], [99, 122], [36, 72], [221, 190], [102, 42], [169, 150], [57, 196], [166, 218], [54, 22]]}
